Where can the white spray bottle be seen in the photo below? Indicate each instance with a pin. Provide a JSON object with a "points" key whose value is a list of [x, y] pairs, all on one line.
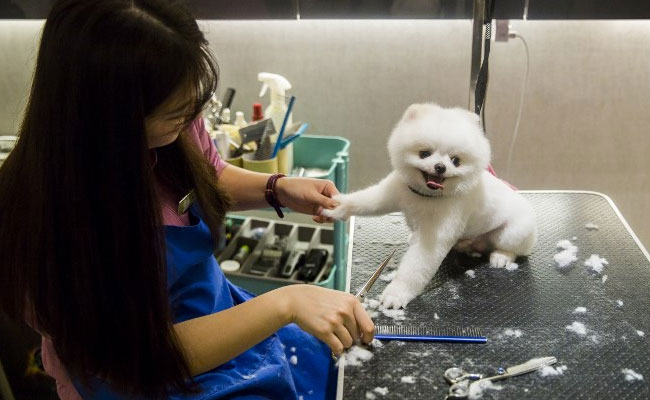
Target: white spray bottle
{"points": [[278, 105], [276, 111]]}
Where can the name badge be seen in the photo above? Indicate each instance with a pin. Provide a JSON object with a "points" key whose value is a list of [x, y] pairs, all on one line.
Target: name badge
{"points": [[186, 202]]}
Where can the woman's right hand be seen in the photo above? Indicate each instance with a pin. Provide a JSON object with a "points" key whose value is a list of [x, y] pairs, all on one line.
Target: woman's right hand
{"points": [[335, 317]]}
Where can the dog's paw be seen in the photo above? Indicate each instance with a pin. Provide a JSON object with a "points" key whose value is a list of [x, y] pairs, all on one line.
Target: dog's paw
{"points": [[397, 295], [501, 259], [338, 214], [342, 212]]}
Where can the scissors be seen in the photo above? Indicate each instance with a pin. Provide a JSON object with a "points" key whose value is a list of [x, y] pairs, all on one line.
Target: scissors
{"points": [[361, 294], [460, 380]]}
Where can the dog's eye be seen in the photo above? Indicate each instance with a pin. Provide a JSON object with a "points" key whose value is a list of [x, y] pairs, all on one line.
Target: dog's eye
{"points": [[455, 160], [425, 154]]}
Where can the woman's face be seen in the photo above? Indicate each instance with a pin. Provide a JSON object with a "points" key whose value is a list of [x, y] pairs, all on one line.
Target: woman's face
{"points": [[165, 124]]}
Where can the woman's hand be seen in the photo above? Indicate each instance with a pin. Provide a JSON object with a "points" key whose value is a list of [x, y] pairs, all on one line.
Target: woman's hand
{"points": [[337, 318], [307, 195]]}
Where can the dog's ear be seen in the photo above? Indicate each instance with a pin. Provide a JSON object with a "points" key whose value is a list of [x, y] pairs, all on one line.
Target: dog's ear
{"points": [[413, 112], [473, 117], [468, 115], [465, 113]]}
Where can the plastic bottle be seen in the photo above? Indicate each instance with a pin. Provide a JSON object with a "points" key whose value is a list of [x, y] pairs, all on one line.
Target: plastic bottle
{"points": [[240, 121], [278, 105], [276, 111], [227, 127], [225, 116], [242, 253], [221, 140]]}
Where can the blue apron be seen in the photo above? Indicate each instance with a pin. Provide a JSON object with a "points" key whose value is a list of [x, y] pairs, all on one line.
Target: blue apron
{"points": [[290, 364]]}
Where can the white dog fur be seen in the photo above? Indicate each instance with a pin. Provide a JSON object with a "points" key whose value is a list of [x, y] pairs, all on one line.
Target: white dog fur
{"points": [[473, 212]]}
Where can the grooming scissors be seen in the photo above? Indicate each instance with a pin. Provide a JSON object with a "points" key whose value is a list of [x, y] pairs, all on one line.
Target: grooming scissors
{"points": [[361, 294], [460, 380]]}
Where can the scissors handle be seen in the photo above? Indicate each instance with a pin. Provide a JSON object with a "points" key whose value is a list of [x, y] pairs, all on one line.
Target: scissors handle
{"points": [[455, 375]]}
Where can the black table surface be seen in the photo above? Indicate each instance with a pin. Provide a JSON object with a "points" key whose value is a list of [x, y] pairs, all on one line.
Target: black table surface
{"points": [[538, 300]]}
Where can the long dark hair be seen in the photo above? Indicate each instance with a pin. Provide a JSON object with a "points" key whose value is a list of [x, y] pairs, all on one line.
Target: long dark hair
{"points": [[81, 238]]}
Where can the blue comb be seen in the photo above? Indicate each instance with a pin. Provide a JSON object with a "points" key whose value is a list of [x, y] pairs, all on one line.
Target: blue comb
{"points": [[301, 129], [426, 334]]}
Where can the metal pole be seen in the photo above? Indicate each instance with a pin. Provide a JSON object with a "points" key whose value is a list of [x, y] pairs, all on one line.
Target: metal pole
{"points": [[477, 50]]}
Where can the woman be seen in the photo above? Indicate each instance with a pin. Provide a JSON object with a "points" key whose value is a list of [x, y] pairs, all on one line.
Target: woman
{"points": [[97, 255]]}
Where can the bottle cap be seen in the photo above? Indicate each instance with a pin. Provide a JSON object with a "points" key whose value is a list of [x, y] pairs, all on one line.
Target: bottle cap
{"points": [[230, 265], [257, 112]]}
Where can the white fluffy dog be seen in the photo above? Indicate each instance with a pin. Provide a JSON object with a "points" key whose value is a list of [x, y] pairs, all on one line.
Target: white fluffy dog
{"points": [[440, 183]]}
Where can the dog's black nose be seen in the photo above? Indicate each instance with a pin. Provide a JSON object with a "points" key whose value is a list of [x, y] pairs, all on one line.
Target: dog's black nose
{"points": [[440, 168]]}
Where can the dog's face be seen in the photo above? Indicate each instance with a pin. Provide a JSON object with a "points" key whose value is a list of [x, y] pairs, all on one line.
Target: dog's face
{"points": [[439, 151]]}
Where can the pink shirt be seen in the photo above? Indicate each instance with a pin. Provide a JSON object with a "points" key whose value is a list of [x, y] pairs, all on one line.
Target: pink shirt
{"points": [[200, 137], [51, 362]]}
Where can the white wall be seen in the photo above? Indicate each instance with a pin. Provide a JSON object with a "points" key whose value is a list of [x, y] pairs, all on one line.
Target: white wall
{"points": [[586, 118]]}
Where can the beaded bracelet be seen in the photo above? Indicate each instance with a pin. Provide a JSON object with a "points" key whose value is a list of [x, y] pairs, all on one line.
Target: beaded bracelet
{"points": [[271, 195]]}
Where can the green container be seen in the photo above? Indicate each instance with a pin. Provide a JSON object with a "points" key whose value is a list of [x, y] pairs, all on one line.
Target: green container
{"points": [[329, 154]]}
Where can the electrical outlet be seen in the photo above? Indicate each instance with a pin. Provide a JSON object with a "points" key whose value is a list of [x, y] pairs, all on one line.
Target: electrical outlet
{"points": [[502, 30]]}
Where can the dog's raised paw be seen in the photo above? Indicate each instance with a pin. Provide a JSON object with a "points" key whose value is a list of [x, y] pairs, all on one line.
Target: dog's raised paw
{"points": [[396, 296], [339, 213]]}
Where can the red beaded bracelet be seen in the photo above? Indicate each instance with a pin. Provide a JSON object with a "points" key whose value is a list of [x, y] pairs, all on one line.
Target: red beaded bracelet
{"points": [[271, 196]]}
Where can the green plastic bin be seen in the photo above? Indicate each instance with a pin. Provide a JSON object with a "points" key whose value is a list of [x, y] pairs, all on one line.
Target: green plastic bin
{"points": [[329, 153]]}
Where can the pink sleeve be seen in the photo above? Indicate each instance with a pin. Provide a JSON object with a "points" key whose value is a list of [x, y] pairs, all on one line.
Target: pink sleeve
{"points": [[202, 138], [53, 367]]}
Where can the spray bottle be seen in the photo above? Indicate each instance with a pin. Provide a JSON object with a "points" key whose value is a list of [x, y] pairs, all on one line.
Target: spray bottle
{"points": [[276, 111]]}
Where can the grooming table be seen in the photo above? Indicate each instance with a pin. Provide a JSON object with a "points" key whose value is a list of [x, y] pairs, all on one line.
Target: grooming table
{"points": [[538, 299]]}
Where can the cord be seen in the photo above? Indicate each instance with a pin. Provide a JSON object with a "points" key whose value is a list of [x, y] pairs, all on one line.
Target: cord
{"points": [[483, 111], [484, 108], [521, 105], [481, 81]]}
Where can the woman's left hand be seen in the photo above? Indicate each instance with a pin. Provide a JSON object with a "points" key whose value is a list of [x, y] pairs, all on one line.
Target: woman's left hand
{"points": [[307, 195]]}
